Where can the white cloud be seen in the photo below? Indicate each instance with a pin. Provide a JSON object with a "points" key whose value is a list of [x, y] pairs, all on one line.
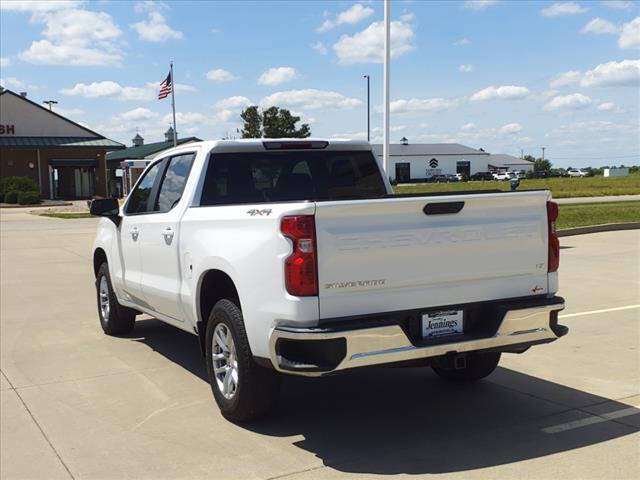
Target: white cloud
{"points": [[505, 92], [187, 118], [349, 135], [39, 6], [618, 4], [422, 105], [563, 8], [155, 29], [630, 36], [465, 68], [277, 75], [320, 48], [108, 88], [355, 14], [310, 99], [93, 90], [510, 128], [607, 106], [4, 62], [574, 101], [408, 17], [220, 75], [138, 114], [625, 72], [550, 93], [571, 77], [73, 36], [233, 102], [467, 126], [461, 41], [477, 5], [12, 82], [600, 26], [225, 115], [367, 46]]}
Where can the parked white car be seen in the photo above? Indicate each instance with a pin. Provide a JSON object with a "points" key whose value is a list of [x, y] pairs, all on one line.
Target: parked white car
{"points": [[576, 172], [294, 257], [502, 176]]}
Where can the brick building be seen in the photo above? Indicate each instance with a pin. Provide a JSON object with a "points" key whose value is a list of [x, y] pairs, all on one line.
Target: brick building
{"points": [[66, 159]]}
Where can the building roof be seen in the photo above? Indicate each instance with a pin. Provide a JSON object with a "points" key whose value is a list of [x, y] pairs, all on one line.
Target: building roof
{"points": [[59, 142], [501, 159], [426, 149], [146, 150], [93, 139]]}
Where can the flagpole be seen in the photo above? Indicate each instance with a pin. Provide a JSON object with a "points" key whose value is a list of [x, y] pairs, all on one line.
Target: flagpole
{"points": [[173, 106]]}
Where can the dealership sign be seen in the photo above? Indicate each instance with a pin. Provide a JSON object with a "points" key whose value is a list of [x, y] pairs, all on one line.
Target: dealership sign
{"points": [[7, 129]]}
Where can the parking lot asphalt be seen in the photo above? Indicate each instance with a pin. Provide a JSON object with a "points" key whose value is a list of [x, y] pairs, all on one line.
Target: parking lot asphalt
{"points": [[78, 404]]}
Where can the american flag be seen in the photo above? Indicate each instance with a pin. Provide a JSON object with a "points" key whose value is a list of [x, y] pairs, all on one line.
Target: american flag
{"points": [[165, 87]]}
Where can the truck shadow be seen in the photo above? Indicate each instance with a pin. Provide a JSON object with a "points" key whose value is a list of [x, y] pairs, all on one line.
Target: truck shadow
{"points": [[405, 420]]}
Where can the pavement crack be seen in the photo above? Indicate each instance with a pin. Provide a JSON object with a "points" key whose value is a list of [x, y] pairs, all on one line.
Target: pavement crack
{"points": [[44, 435], [304, 470]]}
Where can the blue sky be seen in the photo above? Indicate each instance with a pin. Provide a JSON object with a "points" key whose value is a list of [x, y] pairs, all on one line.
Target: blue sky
{"points": [[499, 75]]}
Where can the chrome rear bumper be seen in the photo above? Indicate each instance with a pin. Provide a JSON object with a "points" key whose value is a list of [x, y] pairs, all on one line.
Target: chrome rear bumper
{"points": [[390, 344]]}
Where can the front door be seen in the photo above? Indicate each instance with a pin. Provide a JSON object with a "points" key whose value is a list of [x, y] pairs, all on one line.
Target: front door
{"points": [[403, 172], [137, 212], [159, 245]]}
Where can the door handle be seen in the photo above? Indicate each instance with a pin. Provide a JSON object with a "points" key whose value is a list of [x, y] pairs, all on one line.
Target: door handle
{"points": [[134, 233], [167, 233]]}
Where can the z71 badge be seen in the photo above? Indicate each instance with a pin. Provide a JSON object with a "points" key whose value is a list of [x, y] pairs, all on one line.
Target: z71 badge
{"points": [[264, 212]]}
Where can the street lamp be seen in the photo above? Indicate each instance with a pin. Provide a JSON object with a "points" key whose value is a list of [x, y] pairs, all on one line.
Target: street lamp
{"points": [[368, 111], [50, 103]]}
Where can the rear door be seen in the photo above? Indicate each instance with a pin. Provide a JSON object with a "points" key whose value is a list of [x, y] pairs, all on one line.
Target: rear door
{"points": [[385, 255], [159, 239]]}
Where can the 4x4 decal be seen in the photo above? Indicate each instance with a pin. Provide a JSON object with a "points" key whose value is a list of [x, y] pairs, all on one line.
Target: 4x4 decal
{"points": [[264, 212]]}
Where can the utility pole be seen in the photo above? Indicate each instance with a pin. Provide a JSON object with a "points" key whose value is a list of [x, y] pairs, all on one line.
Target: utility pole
{"points": [[50, 103], [368, 110], [522, 154], [387, 61], [543, 148]]}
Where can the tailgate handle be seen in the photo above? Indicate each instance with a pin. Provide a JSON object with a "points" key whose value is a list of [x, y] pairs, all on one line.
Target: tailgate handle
{"points": [[442, 208]]}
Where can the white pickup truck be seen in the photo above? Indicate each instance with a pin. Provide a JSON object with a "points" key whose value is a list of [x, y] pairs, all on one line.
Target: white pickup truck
{"points": [[294, 257]]}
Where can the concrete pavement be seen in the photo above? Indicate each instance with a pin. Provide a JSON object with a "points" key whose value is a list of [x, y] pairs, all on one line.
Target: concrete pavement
{"points": [[78, 404]]}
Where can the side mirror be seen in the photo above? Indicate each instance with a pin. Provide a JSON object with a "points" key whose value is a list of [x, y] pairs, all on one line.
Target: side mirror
{"points": [[106, 207]]}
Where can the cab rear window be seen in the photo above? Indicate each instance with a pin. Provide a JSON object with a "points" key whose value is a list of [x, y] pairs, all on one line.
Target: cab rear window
{"points": [[234, 178]]}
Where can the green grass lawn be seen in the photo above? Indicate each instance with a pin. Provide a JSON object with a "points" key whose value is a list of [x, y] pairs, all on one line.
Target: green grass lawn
{"points": [[66, 215], [560, 187], [584, 214]]}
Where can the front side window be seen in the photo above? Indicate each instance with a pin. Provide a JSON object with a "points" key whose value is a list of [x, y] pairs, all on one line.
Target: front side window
{"points": [[139, 197], [174, 182]]}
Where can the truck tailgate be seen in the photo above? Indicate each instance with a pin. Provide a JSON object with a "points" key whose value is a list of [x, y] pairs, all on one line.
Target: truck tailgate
{"points": [[386, 255]]}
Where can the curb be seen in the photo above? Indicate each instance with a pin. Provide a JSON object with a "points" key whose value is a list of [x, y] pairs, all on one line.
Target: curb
{"points": [[38, 205], [608, 227]]}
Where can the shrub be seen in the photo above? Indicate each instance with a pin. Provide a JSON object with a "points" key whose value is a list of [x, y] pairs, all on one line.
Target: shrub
{"points": [[18, 184], [11, 197], [28, 198]]}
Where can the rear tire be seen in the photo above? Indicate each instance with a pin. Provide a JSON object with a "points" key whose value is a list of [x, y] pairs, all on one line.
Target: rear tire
{"points": [[114, 318], [479, 365], [242, 389]]}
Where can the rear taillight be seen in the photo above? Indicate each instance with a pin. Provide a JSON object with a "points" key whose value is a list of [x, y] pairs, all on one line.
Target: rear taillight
{"points": [[554, 243], [300, 268]]}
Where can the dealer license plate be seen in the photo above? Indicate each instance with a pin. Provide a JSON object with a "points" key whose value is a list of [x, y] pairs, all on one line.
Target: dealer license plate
{"points": [[442, 323]]}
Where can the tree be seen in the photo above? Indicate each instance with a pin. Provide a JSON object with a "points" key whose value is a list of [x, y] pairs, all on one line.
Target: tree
{"points": [[252, 123], [273, 122], [529, 158], [541, 165]]}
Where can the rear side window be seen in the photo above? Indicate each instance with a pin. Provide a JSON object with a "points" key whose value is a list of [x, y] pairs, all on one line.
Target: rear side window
{"points": [[139, 198], [259, 177], [173, 182]]}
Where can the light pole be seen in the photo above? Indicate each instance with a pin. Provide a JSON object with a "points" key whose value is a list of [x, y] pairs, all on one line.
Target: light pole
{"points": [[50, 103], [368, 111], [387, 61], [543, 148]]}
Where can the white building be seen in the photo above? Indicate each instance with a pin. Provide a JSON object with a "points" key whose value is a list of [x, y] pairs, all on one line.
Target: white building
{"points": [[509, 163], [616, 172], [423, 160]]}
